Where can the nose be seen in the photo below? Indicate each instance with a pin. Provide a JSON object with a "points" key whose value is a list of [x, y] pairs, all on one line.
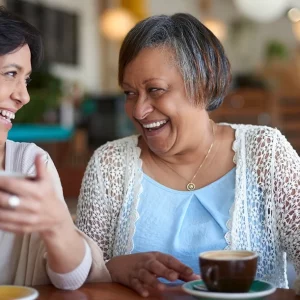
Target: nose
{"points": [[142, 108], [20, 93]]}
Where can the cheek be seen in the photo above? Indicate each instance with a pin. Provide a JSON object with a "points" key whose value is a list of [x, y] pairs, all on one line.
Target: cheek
{"points": [[128, 106], [5, 91]]}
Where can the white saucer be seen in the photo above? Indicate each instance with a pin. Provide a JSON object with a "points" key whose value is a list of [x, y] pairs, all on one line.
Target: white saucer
{"points": [[258, 289]]}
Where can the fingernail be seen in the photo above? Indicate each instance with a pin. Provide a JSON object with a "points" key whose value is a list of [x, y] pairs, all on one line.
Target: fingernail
{"points": [[145, 294]]}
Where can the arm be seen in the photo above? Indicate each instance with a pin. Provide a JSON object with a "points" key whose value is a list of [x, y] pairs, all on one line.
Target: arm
{"points": [[90, 267], [58, 239], [99, 203], [287, 196], [43, 211]]}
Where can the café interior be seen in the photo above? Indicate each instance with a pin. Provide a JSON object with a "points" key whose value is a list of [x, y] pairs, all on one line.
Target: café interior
{"points": [[76, 103]]}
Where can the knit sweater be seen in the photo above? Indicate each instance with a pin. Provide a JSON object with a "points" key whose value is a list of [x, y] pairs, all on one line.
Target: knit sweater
{"points": [[264, 217]]}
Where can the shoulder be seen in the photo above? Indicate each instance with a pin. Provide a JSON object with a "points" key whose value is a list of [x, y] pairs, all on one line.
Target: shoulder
{"points": [[24, 149], [21, 156], [262, 141], [255, 134], [115, 150]]}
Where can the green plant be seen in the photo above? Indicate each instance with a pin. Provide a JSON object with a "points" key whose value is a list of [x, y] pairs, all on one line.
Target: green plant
{"points": [[45, 91], [276, 49]]}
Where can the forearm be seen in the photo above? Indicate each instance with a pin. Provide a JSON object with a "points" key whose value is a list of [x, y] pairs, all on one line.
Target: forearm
{"points": [[76, 278], [65, 249]]}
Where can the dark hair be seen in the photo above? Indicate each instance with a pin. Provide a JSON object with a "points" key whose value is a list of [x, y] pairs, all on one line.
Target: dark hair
{"points": [[199, 55], [15, 33]]}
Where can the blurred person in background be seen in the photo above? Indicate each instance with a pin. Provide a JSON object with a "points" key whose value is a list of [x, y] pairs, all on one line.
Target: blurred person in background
{"points": [[38, 241], [185, 185]]}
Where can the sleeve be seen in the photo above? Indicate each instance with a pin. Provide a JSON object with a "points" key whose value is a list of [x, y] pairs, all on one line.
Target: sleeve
{"points": [[287, 194], [101, 197], [74, 279]]}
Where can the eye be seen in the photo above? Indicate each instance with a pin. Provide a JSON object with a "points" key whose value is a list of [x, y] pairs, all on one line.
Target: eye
{"points": [[11, 74], [28, 80], [129, 94], [155, 91]]}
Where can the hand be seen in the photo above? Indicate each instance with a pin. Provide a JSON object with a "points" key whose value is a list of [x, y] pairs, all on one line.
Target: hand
{"points": [[140, 271], [40, 209]]}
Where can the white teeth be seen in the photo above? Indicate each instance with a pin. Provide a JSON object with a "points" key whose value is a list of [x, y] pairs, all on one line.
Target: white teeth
{"points": [[155, 124], [7, 114]]}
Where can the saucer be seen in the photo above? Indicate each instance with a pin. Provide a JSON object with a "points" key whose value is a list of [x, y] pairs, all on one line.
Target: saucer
{"points": [[258, 289], [14, 292]]}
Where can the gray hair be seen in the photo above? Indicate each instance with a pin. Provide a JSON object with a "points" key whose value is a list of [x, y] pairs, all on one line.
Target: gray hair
{"points": [[198, 54]]}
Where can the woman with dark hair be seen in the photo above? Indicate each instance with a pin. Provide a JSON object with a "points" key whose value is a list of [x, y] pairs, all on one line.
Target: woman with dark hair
{"points": [[185, 185], [38, 240]]}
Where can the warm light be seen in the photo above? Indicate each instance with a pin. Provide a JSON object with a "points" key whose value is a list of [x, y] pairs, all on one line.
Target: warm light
{"points": [[217, 27], [294, 14], [116, 22], [296, 30], [262, 10]]}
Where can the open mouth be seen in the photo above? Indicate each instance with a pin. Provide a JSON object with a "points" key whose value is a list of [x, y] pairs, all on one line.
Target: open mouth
{"points": [[155, 125], [6, 115]]}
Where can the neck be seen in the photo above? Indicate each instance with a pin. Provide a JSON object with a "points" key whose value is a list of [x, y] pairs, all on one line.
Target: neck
{"points": [[196, 151]]}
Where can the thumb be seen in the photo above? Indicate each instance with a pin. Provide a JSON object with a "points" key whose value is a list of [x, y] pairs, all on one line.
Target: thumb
{"points": [[40, 167]]}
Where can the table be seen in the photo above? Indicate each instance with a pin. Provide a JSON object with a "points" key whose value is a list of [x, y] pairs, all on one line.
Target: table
{"points": [[114, 291]]}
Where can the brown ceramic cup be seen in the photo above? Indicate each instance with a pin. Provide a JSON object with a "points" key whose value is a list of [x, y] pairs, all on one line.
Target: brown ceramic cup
{"points": [[228, 271]]}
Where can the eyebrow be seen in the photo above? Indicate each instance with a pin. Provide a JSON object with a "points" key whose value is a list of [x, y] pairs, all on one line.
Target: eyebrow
{"points": [[150, 79], [18, 67], [144, 82]]}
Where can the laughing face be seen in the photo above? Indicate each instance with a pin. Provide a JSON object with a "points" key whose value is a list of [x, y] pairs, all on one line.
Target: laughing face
{"points": [[157, 103], [15, 69]]}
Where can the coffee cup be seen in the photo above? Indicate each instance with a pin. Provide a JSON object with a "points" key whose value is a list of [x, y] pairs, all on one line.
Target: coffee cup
{"points": [[228, 271]]}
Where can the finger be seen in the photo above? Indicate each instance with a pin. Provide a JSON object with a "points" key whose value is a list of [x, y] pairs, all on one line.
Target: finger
{"points": [[160, 270], [40, 166], [18, 218], [138, 287], [16, 186], [149, 279], [174, 264], [16, 228], [27, 205]]}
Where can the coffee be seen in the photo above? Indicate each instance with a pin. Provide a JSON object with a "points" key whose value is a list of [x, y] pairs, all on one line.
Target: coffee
{"points": [[227, 255], [231, 271]]}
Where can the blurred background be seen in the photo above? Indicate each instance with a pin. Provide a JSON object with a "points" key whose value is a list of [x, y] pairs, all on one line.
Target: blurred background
{"points": [[76, 104]]}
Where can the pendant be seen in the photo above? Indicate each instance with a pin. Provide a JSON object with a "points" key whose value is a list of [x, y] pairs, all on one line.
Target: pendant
{"points": [[190, 186]]}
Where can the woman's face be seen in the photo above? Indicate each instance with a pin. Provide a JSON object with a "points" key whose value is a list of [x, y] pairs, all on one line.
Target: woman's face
{"points": [[15, 69], [157, 103]]}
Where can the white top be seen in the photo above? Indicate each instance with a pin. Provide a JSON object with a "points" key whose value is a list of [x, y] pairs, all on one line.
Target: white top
{"points": [[265, 216], [20, 158]]}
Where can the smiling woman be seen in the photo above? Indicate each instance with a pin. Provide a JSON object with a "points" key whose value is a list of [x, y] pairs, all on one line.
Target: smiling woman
{"points": [[36, 229], [186, 185]]}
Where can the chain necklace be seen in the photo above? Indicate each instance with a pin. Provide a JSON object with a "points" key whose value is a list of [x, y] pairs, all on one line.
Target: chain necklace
{"points": [[191, 185]]}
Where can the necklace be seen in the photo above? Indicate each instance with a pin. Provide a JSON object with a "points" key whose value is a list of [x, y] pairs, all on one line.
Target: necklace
{"points": [[191, 185]]}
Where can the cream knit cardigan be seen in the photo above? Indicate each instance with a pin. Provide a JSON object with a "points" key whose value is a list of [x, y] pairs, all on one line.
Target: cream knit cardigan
{"points": [[22, 257], [265, 216]]}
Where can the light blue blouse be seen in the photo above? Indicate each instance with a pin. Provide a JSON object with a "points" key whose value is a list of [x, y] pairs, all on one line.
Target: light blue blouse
{"points": [[184, 223]]}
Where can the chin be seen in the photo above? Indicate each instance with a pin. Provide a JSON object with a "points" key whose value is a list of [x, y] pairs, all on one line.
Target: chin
{"points": [[158, 149]]}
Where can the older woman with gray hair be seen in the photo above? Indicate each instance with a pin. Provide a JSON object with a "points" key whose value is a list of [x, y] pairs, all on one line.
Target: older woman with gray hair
{"points": [[184, 184]]}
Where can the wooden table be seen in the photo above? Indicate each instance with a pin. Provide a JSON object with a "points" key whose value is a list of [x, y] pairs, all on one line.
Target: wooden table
{"points": [[113, 291]]}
